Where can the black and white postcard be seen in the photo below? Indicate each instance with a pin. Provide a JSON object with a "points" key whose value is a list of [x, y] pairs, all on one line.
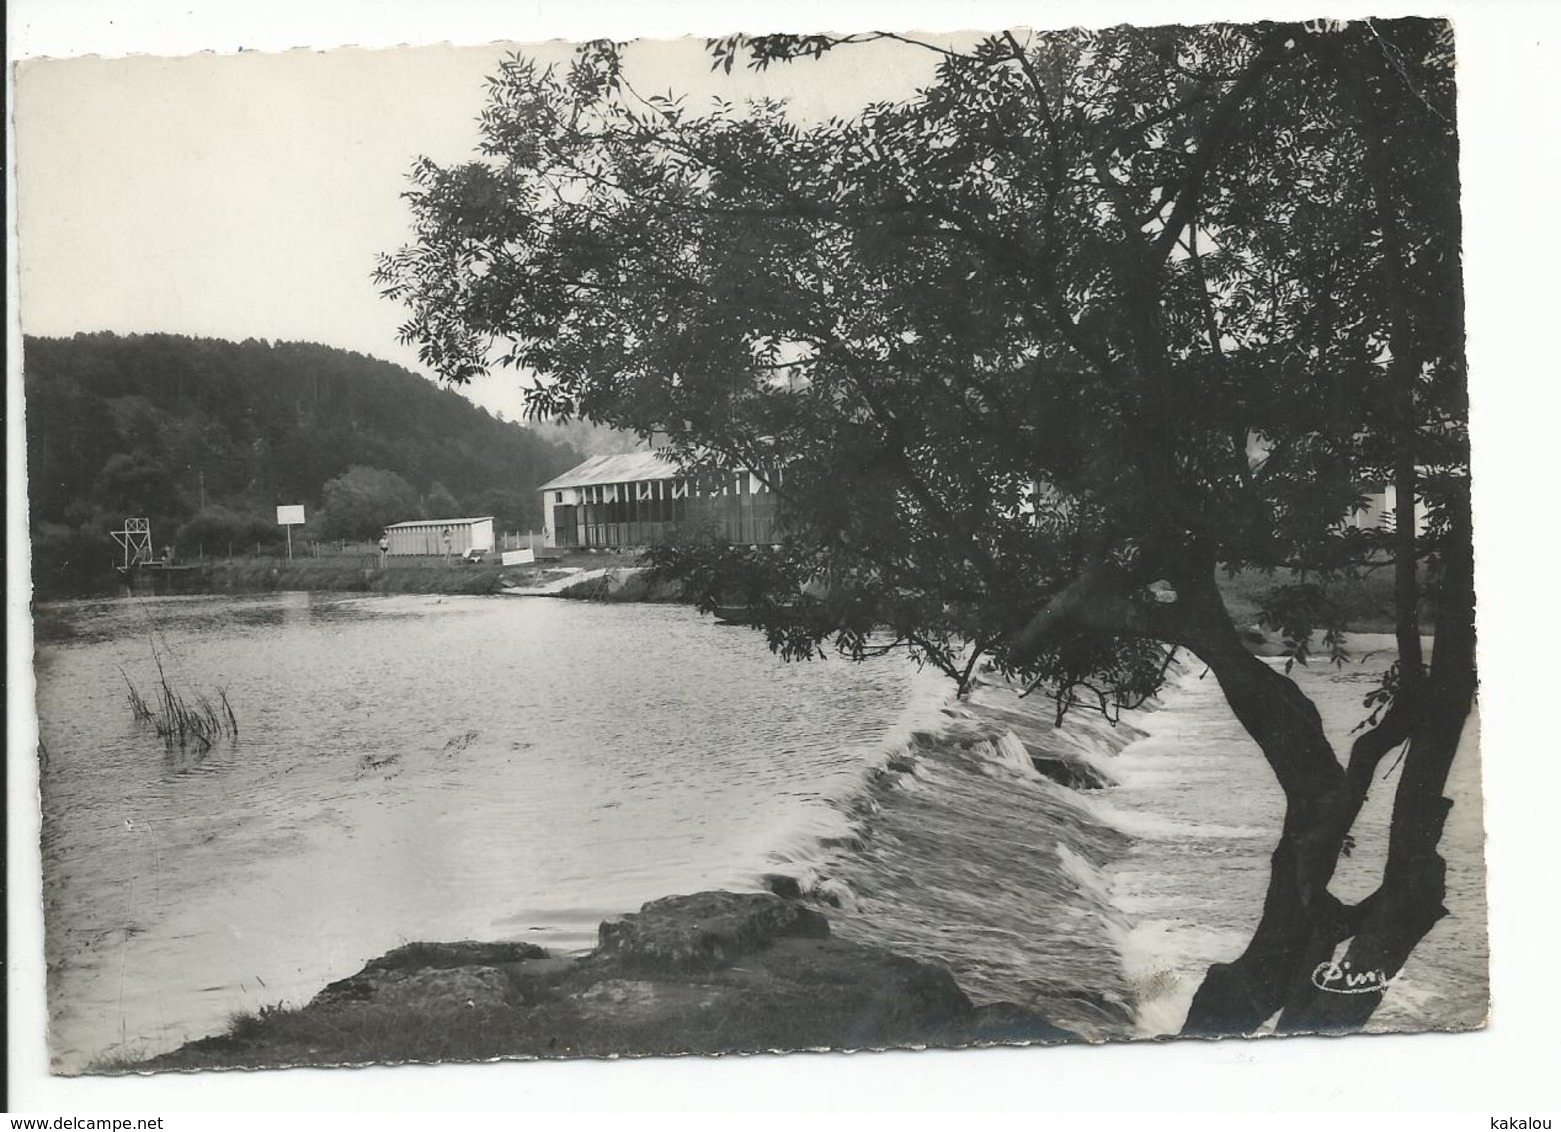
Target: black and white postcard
{"points": [[800, 538]]}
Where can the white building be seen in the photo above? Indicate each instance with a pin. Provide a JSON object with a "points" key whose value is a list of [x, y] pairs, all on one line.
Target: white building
{"points": [[1381, 510], [427, 536], [635, 498]]}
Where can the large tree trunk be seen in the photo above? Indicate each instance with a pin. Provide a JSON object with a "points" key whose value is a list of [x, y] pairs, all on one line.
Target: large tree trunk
{"points": [[1301, 919], [1394, 919], [1302, 923]]}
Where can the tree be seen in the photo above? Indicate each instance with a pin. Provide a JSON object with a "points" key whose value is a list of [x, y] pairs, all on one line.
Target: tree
{"points": [[166, 426], [1031, 356], [511, 510], [71, 560], [361, 502], [218, 529], [440, 503]]}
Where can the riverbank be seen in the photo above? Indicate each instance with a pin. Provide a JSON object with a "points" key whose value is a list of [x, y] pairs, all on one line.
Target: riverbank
{"points": [[713, 972], [354, 574], [1364, 603], [619, 584], [326, 575]]}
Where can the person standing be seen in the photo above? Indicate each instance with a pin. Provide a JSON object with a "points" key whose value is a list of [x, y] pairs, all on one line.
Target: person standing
{"points": [[448, 538], [384, 548]]}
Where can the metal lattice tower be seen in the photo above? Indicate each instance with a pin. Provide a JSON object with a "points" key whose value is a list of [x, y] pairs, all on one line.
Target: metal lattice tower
{"points": [[136, 541]]}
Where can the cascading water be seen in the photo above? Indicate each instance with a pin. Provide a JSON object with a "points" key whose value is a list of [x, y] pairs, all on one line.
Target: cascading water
{"points": [[1103, 906]]}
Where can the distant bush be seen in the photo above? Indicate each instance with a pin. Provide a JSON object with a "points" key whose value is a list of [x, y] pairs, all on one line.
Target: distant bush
{"points": [[75, 559], [363, 501], [215, 528]]}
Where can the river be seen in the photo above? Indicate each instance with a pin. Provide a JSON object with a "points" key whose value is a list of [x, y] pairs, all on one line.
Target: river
{"points": [[446, 768], [407, 768]]}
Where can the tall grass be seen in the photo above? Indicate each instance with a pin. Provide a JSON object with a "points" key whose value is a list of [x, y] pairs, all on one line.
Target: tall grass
{"points": [[193, 721]]}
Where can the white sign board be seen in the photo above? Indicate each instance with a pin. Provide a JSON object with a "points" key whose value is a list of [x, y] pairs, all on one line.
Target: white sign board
{"points": [[517, 557], [290, 516]]}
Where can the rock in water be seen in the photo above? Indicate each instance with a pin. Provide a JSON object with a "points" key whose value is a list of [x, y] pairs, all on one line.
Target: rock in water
{"points": [[706, 930], [409, 972], [454, 986], [465, 953], [715, 972], [787, 888]]}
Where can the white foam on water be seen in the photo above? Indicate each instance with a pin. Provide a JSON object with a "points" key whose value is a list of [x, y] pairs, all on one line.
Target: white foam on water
{"points": [[836, 892], [1164, 961], [1089, 878], [1009, 752], [1143, 824], [1100, 758], [836, 820], [976, 861], [1204, 809]]}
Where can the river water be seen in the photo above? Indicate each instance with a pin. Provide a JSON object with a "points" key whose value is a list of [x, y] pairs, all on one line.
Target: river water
{"points": [[415, 768], [407, 768]]}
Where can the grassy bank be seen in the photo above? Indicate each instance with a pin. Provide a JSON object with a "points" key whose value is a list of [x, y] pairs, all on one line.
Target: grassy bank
{"points": [[417, 576], [1366, 602], [351, 574]]}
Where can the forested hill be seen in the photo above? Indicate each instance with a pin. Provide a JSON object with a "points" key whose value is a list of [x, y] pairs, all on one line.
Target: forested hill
{"points": [[205, 437]]}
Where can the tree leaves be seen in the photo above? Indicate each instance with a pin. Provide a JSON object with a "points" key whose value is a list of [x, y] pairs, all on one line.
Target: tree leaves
{"points": [[1091, 301]]}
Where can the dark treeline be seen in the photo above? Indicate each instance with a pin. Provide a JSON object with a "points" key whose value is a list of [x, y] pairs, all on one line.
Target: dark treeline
{"points": [[206, 437]]}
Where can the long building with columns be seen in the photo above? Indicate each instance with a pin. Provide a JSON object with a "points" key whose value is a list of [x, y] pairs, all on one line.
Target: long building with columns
{"points": [[637, 498]]}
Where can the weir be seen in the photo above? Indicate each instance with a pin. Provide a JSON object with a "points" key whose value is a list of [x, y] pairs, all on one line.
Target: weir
{"points": [[957, 850]]}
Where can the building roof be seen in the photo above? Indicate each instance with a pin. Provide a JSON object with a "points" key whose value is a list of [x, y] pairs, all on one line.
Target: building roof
{"points": [[622, 467], [439, 523]]}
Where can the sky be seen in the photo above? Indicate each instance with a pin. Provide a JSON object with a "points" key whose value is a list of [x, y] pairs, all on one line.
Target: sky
{"points": [[246, 195]]}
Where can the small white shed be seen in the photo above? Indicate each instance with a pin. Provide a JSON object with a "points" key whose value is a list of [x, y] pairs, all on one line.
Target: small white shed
{"points": [[427, 536]]}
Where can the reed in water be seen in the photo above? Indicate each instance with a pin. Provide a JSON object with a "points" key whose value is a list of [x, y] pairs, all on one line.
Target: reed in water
{"points": [[188, 722]]}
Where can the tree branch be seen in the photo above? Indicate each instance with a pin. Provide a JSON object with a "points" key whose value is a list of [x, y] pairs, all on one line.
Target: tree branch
{"points": [[1213, 137]]}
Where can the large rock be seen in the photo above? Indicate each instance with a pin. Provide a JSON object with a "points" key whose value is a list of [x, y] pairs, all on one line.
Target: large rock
{"points": [[621, 1003], [1067, 770], [706, 930], [444, 987], [999, 1023], [1048, 748], [465, 953], [797, 993], [843, 995], [716, 972], [456, 972]]}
